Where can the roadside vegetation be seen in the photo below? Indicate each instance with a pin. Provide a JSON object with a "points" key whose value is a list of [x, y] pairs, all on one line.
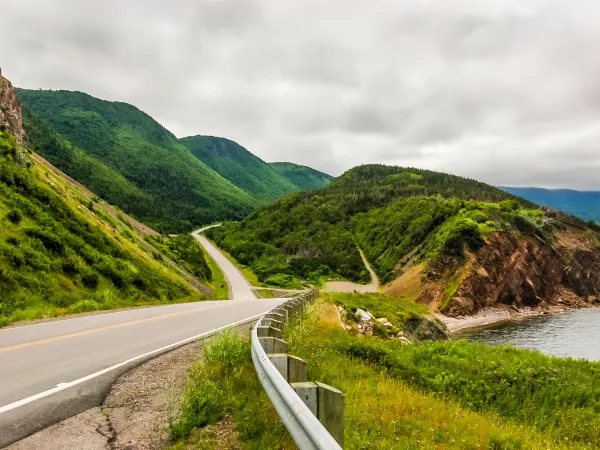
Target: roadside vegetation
{"points": [[60, 253], [218, 282], [434, 395], [224, 405]]}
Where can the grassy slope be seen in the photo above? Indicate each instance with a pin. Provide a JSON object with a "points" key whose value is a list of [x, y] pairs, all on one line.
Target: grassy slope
{"points": [[238, 165], [63, 251], [388, 211], [303, 177], [584, 204], [132, 161], [446, 395]]}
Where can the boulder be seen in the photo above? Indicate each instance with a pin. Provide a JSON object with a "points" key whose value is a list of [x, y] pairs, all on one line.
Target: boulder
{"points": [[388, 324], [381, 320], [364, 315]]}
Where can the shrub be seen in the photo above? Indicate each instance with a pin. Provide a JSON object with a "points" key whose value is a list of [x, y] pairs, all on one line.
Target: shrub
{"points": [[15, 216], [90, 278]]}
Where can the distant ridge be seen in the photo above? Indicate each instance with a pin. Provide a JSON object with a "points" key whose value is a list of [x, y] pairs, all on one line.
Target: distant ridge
{"points": [[583, 204]]}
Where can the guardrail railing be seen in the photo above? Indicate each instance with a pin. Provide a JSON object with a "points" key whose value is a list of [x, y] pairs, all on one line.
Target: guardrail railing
{"points": [[323, 405]]}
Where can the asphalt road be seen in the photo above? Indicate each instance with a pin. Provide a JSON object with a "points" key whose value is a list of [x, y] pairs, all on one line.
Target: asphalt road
{"points": [[239, 289], [37, 358]]}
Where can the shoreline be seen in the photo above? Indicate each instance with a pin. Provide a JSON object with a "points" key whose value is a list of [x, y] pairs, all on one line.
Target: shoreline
{"points": [[494, 316]]}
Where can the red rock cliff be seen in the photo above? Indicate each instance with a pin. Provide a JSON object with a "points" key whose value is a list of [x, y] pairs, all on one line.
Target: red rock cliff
{"points": [[10, 110]]}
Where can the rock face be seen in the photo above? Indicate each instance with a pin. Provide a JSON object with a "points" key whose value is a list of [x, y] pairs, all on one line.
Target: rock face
{"points": [[519, 270], [10, 110]]}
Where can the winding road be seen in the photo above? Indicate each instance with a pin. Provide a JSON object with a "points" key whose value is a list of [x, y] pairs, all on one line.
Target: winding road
{"points": [[52, 370]]}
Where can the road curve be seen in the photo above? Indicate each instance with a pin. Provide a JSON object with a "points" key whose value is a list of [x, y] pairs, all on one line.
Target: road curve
{"points": [[239, 289]]}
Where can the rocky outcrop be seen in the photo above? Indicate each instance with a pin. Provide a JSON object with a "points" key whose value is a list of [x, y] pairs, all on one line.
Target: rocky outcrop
{"points": [[10, 110], [516, 270]]}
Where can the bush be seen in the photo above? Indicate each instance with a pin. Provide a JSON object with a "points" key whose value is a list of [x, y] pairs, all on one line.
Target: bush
{"points": [[15, 216], [90, 278]]}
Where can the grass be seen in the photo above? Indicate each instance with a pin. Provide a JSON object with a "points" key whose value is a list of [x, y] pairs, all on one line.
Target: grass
{"points": [[404, 399], [248, 274], [224, 388], [421, 396], [219, 283]]}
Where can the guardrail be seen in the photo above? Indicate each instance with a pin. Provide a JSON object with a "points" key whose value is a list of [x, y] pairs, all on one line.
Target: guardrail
{"points": [[305, 428]]}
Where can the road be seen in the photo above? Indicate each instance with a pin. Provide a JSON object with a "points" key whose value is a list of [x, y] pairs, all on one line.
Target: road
{"points": [[38, 357], [239, 289], [39, 360]]}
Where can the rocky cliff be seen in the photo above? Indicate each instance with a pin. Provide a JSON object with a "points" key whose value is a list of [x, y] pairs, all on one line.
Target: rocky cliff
{"points": [[512, 270], [10, 110]]}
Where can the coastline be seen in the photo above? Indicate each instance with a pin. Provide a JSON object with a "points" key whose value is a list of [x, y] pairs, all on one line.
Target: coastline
{"points": [[493, 316]]}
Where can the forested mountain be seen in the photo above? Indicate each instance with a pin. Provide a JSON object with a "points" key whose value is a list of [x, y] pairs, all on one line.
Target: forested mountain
{"points": [[130, 160], [302, 177], [584, 204], [240, 167], [421, 221]]}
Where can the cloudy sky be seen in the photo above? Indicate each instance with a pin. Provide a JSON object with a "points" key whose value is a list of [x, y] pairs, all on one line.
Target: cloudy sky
{"points": [[507, 91]]}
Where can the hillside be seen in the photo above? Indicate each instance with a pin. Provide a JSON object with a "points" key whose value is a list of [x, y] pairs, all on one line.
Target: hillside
{"points": [[236, 164], [302, 177], [454, 243], [130, 160], [63, 250], [583, 204]]}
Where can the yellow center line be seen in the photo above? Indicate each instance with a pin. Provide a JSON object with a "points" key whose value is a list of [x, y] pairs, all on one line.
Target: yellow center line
{"points": [[96, 330]]}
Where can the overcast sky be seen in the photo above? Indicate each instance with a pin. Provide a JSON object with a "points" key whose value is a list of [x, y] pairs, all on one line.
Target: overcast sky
{"points": [[507, 92]]}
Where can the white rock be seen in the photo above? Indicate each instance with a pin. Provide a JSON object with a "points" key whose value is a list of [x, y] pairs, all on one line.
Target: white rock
{"points": [[364, 315], [382, 320], [388, 325]]}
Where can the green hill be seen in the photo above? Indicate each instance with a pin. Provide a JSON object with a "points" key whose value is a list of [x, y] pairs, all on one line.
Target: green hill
{"points": [[263, 181], [236, 164], [130, 160], [302, 177], [391, 212], [63, 250], [583, 204]]}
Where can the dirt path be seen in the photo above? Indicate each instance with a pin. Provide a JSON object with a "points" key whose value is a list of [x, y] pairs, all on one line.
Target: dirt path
{"points": [[348, 286]]}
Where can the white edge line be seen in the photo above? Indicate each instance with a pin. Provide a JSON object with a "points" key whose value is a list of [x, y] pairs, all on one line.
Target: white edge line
{"points": [[64, 386]]}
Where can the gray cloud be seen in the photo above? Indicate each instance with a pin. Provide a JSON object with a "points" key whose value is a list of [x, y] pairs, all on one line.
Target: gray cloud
{"points": [[505, 92]]}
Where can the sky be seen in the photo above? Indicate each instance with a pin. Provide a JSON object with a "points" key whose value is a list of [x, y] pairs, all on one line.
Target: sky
{"points": [[507, 92]]}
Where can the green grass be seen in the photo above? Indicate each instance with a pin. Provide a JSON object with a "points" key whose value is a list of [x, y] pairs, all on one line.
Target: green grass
{"points": [[218, 284], [396, 311], [388, 409], [224, 386]]}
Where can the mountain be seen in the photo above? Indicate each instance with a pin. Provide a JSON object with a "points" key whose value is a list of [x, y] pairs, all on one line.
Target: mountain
{"points": [[584, 204], [454, 243], [63, 250], [263, 181], [236, 164], [302, 177], [129, 160]]}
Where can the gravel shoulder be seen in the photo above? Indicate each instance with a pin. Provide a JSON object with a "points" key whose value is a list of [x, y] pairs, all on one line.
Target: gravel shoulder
{"points": [[135, 413]]}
